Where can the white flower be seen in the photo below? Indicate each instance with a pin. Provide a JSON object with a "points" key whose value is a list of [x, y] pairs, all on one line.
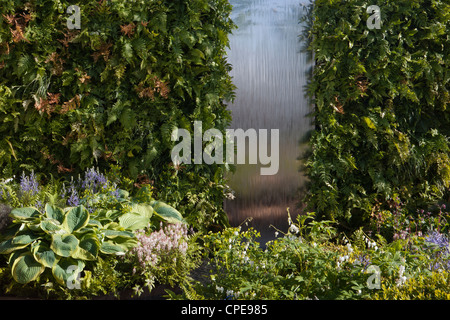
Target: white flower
{"points": [[276, 234], [349, 248], [294, 229], [219, 289]]}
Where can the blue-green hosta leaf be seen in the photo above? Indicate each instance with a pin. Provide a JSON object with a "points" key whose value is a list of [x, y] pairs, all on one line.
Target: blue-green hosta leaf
{"points": [[43, 254], [125, 243], [26, 269], [25, 213], [109, 247], [65, 269], [52, 226], [95, 223], [24, 239], [64, 245], [7, 246], [87, 249], [118, 233], [76, 218], [53, 212], [166, 212]]}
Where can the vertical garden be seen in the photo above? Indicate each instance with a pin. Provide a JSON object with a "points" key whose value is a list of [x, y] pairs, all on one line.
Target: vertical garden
{"points": [[381, 96], [101, 83], [92, 206]]}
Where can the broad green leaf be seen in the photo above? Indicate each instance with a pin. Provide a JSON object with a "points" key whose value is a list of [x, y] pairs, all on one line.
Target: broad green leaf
{"points": [[125, 242], [7, 246], [25, 213], [369, 123], [133, 221], [118, 233], [65, 269], [26, 269], [166, 212], [145, 210], [76, 218], [87, 249], [51, 226], [108, 247], [53, 212], [64, 245], [24, 239], [43, 254]]}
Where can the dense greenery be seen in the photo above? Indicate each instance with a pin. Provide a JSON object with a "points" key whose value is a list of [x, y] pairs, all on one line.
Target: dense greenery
{"points": [[112, 91], [313, 261], [381, 99], [109, 94], [92, 229]]}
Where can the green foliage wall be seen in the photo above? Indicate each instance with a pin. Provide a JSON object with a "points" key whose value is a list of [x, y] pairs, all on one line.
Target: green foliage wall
{"points": [[381, 99], [112, 91]]}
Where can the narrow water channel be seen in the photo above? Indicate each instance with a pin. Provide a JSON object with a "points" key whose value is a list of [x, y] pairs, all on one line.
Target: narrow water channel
{"points": [[270, 72]]}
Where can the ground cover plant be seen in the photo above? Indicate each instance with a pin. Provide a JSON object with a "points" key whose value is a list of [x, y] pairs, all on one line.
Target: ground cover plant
{"points": [[313, 261]]}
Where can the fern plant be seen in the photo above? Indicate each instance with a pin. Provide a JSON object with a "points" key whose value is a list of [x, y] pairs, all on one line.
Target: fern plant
{"points": [[381, 99]]}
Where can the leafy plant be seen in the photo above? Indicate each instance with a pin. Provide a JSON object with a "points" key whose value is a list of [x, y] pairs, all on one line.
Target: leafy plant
{"points": [[111, 93], [59, 238], [380, 108]]}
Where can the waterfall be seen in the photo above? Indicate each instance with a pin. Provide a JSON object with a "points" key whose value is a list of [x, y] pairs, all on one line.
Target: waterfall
{"points": [[270, 73]]}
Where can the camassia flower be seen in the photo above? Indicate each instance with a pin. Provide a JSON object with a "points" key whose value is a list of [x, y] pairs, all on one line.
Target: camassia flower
{"points": [[29, 184]]}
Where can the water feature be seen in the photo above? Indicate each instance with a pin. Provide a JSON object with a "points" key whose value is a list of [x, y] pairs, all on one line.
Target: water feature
{"points": [[270, 72]]}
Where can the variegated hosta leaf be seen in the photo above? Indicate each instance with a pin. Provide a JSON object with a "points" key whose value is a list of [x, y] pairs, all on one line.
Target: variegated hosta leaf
{"points": [[109, 247], [76, 218], [87, 249], [25, 213], [43, 254], [64, 245], [65, 270], [26, 269], [52, 226], [8, 246], [53, 212], [166, 212]]}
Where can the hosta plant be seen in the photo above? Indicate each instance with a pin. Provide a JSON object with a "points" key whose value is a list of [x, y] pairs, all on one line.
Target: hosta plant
{"points": [[64, 241]]}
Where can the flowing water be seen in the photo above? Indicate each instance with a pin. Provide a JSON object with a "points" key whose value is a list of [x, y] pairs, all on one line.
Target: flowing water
{"points": [[270, 73]]}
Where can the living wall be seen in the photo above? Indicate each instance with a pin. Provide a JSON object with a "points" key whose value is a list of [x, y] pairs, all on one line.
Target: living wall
{"points": [[381, 99], [95, 83]]}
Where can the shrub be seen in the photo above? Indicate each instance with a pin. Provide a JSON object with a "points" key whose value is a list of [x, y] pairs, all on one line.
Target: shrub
{"points": [[112, 91], [434, 287], [381, 99]]}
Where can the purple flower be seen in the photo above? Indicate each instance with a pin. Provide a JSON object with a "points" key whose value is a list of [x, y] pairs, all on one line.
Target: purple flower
{"points": [[94, 181], [441, 255], [29, 184], [439, 239], [74, 199]]}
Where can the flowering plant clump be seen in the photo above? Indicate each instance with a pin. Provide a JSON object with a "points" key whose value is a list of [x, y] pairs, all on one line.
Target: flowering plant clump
{"points": [[160, 256]]}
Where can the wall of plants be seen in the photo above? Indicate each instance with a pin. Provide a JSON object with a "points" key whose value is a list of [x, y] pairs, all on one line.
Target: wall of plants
{"points": [[381, 97], [110, 87]]}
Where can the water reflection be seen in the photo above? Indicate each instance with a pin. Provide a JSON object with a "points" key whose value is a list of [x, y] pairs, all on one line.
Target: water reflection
{"points": [[269, 71]]}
